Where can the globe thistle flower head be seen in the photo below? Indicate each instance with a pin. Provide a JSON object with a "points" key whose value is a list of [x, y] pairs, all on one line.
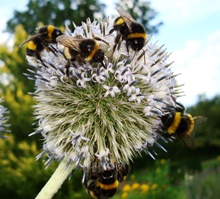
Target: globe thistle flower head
{"points": [[104, 111], [3, 120]]}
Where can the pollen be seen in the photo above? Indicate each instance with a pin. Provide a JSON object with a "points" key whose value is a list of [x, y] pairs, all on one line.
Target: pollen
{"points": [[32, 45], [50, 30]]}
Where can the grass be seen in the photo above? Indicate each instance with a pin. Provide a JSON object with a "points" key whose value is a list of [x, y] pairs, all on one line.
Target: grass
{"points": [[205, 184], [153, 183], [157, 182]]}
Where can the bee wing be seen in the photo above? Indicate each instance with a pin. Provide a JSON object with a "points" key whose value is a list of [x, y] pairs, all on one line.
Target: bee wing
{"points": [[70, 41], [189, 140], [31, 38], [39, 29], [126, 16], [198, 121]]}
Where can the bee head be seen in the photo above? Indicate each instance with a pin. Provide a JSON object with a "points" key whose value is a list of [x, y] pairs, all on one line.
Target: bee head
{"points": [[108, 176], [57, 32], [167, 118], [136, 43], [99, 56]]}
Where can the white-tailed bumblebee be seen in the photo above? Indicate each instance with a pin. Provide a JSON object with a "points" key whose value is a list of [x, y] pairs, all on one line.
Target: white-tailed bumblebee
{"points": [[44, 36], [178, 123], [77, 48], [129, 30], [103, 184], [81, 49]]}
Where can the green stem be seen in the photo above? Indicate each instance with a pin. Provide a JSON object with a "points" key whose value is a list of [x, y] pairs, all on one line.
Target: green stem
{"points": [[56, 180]]}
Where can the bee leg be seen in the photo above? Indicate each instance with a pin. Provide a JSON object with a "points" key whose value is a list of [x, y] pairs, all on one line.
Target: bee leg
{"points": [[49, 47], [69, 63], [119, 43], [117, 39], [39, 60], [114, 47], [103, 64], [67, 67], [127, 47]]}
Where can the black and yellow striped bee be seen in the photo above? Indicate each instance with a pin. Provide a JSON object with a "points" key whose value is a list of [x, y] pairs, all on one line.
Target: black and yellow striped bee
{"points": [[44, 36], [77, 48], [178, 123], [103, 184], [129, 30]]}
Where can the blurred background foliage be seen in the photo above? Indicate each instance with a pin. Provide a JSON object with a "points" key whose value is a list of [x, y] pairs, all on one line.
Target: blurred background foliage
{"points": [[177, 174]]}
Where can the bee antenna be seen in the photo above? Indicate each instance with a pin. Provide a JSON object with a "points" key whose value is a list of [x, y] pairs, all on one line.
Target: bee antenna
{"points": [[180, 105], [99, 39]]}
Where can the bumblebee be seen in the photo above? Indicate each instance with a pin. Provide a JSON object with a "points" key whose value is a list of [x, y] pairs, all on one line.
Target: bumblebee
{"points": [[44, 36], [129, 30], [178, 123], [104, 184], [80, 49]]}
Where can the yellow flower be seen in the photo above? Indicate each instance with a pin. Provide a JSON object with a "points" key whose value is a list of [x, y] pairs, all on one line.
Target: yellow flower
{"points": [[154, 186], [124, 195], [144, 188], [126, 188], [132, 177], [218, 157], [135, 186], [158, 169], [162, 161]]}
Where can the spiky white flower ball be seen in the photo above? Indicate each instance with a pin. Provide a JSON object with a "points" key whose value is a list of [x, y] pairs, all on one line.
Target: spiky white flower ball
{"points": [[98, 108], [3, 120]]}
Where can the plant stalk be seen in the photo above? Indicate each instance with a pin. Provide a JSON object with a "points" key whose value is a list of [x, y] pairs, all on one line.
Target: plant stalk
{"points": [[55, 181]]}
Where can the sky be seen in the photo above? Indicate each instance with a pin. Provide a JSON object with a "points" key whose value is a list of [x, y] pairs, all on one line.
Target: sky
{"points": [[190, 30]]}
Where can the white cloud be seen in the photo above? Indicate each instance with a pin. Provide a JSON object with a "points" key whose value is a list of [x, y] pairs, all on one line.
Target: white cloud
{"points": [[199, 63]]}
